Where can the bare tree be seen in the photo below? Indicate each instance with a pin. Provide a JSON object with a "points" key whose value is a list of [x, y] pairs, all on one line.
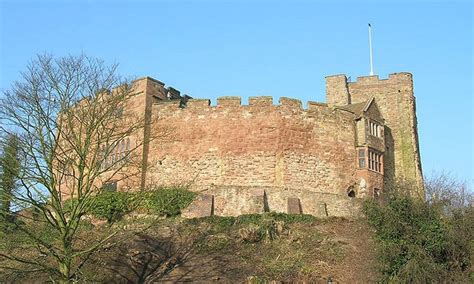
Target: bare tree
{"points": [[68, 116], [447, 193]]}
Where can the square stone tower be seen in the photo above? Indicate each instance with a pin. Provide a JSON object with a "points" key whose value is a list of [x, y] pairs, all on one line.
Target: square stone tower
{"points": [[396, 101]]}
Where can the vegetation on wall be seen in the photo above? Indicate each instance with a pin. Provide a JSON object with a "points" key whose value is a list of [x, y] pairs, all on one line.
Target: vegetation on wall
{"points": [[112, 206], [165, 201]]}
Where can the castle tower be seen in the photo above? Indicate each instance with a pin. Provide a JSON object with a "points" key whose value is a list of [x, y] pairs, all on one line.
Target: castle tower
{"points": [[396, 101]]}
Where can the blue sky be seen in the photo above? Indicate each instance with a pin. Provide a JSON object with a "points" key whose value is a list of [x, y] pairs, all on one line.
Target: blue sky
{"points": [[279, 48]]}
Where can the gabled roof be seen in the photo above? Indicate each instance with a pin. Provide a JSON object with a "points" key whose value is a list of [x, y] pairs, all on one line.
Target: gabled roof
{"points": [[358, 108]]}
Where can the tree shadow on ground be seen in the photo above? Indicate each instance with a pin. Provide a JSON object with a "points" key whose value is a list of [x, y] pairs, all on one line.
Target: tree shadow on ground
{"points": [[147, 259]]}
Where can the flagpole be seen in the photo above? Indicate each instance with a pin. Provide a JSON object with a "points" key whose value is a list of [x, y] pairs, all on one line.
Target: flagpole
{"points": [[370, 51]]}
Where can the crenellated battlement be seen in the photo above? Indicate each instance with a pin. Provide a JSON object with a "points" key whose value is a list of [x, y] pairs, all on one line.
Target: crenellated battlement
{"points": [[374, 79], [290, 103], [235, 101], [261, 101], [229, 101]]}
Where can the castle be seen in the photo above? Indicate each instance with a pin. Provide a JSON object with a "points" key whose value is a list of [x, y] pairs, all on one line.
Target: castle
{"points": [[285, 158]]}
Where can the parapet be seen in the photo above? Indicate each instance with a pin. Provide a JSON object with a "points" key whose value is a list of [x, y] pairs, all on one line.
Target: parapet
{"points": [[261, 101], [229, 101], [156, 88], [198, 103], [293, 103], [368, 79], [336, 90], [401, 76], [287, 107], [232, 102], [339, 88], [374, 79], [316, 105]]}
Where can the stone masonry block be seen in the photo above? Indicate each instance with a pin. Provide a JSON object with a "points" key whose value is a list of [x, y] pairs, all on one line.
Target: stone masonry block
{"points": [[202, 206], [294, 206], [229, 101], [322, 209], [290, 102], [261, 101], [198, 103]]}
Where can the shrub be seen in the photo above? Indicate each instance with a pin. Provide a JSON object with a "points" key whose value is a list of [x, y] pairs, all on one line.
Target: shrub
{"points": [[167, 201], [111, 206], [416, 242]]}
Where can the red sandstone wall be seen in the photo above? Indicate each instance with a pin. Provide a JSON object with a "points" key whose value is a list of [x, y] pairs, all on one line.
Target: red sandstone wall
{"points": [[256, 145]]}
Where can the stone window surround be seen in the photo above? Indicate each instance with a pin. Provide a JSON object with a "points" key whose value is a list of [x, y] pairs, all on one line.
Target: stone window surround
{"points": [[367, 162], [374, 128]]}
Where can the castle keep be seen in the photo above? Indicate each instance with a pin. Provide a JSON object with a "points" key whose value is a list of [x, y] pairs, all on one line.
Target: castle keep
{"points": [[285, 158]]}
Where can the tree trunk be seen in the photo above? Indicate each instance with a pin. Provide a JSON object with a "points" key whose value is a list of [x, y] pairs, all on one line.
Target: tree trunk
{"points": [[65, 270]]}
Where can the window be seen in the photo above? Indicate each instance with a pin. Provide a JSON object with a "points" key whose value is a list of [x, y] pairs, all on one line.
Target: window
{"points": [[375, 129], [111, 156], [368, 158], [361, 158], [123, 147], [375, 161], [110, 186]]}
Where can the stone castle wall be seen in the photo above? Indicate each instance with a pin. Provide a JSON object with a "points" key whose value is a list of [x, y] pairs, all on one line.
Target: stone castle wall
{"points": [[280, 151], [259, 157]]}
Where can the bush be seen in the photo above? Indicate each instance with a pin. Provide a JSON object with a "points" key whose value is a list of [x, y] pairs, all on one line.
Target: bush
{"points": [[111, 206], [167, 201], [417, 243]]}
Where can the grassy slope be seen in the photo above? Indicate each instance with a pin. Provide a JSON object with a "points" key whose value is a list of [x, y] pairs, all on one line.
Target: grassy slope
{"points": [[222, 249]]}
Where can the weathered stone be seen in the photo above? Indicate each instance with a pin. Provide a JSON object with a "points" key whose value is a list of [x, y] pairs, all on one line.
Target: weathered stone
{"points": [[294, 206], [322, 209], [232, 201], [257, 157], [202, 206]]}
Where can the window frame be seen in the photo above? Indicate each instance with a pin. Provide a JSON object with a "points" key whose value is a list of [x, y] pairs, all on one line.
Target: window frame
{"points": [[374, 128], [119, 153], [374, 160], [371, 159]]}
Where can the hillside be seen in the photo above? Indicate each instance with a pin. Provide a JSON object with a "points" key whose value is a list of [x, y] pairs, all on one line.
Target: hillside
{"points": [[252, 247]]}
